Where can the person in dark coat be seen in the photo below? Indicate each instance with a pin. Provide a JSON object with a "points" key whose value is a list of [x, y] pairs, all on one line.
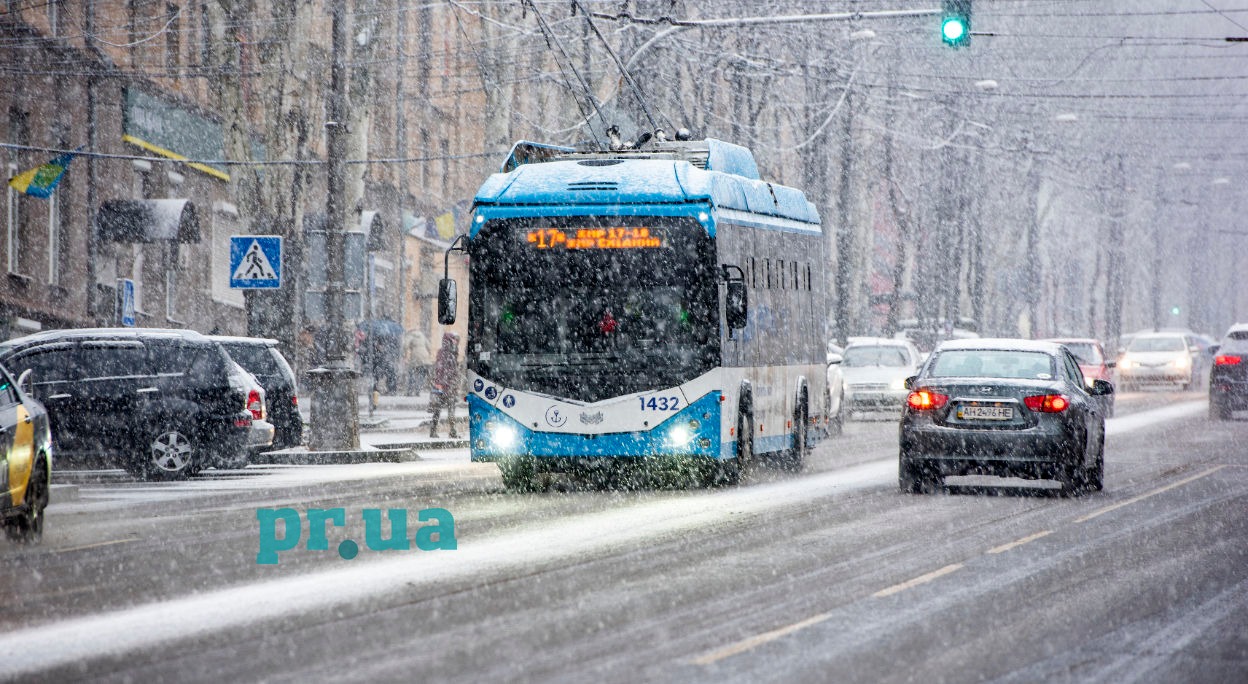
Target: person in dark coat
{"points": [[445, 384]]}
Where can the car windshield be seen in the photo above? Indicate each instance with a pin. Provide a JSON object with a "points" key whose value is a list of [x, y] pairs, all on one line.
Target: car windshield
{"points": [[1086, 352], [992, 363], [1156, 344], [875, 355]]}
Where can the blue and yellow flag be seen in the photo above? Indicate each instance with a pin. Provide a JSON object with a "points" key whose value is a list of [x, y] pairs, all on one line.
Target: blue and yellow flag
{"points": [[41, 180]]}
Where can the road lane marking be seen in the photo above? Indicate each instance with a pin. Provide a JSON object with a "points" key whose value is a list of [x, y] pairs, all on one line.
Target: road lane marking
{"points": [[758, 640], [96, 545], [921, 579], [1145, 495], [1019, 542]]}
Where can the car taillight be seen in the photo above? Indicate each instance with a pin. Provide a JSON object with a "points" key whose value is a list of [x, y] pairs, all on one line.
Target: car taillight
{"points": [[1047, 403], [1227, 360], [294, 400], [255, 405], [926, 400]]}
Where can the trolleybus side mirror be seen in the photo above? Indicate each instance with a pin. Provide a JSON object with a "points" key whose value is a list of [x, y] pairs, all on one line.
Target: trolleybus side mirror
{"points": [[446, 286], [736, 300], [446, 301], [736, 304]]}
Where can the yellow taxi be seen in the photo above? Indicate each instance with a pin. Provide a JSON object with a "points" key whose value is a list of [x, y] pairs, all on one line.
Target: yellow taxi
{"points": [[25, 460]]}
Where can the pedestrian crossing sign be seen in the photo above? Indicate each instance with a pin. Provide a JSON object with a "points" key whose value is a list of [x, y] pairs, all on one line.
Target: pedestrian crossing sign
{"points": [[255, 262]]}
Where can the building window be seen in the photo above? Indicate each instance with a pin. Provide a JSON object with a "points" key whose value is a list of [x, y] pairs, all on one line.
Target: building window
{"points": [[173, 39], [54, 238], [224, 224], [12, 221], [56, 12], [171, 281], [136, 274], [205, 35]]}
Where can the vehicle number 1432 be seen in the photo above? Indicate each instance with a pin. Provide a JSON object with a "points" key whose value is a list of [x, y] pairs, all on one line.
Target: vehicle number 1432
{"points": [[659, 403]]}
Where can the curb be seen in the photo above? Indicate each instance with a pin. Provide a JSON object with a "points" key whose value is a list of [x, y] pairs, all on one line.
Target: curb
{"points": [[384, 454], [439, 444], [63, 493]]}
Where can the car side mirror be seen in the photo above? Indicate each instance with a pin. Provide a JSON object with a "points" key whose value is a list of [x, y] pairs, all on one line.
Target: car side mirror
{"points": [[1214, 348], [1101, 388], [446, 301], [909, 383], [1111, 364], [834, 359], [25, 382]]}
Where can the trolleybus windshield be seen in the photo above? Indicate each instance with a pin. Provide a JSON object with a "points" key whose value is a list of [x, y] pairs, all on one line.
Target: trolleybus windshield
{"points": [[589, 308]]}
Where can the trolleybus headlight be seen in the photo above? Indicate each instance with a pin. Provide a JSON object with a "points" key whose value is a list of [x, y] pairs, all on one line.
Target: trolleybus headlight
{"points": [[680, 436], [502, 436]]}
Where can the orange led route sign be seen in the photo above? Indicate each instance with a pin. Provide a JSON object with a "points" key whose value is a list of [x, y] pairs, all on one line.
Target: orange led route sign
{"points": [[623, 237]]}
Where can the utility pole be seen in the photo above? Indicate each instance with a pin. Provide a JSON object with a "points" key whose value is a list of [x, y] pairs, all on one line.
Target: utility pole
{"points": [[844, 231], [335, 411], [93, 140], [1114, 279]]}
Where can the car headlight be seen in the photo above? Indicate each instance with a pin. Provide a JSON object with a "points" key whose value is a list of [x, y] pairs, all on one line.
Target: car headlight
{"points": [[898, 384], [1182, 362], [1126, 364]]}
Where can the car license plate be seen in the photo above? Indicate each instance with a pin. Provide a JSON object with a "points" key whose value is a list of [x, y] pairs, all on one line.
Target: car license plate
{"points": [[985, 412]]}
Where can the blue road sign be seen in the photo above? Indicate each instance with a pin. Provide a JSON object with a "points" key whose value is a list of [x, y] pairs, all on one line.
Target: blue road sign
{"points": [[255, 262], [125, 291]]}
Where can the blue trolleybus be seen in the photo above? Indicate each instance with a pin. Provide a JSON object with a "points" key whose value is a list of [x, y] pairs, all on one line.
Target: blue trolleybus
{"points": [[653, 305]]}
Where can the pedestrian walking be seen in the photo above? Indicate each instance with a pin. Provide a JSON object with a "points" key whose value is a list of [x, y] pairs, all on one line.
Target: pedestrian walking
{"points": [[446, 383], [416, 359]]}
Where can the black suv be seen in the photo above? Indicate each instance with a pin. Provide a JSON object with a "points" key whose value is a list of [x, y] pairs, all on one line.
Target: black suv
{"points": [[260, 357], [1228, 377], [160, 403]]}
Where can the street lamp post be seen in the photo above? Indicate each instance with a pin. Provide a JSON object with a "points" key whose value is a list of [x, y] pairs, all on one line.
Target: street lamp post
{"points": [[335, 411]]}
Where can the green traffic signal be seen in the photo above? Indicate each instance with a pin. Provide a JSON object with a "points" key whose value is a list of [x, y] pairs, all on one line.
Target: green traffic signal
{"points": [[953, 30], [955, 26]]}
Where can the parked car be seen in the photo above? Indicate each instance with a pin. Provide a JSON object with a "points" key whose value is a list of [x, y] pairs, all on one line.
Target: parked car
{"points": [[1161, 358], [160, 403], [1091, 357], [260, 439], [875, 370], [25, 460], [261, 358], [1228, 379], [1002, 407]]}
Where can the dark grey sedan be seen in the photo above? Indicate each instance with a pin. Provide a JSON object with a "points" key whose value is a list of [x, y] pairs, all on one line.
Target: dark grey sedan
{"points": [[1004, 407]]}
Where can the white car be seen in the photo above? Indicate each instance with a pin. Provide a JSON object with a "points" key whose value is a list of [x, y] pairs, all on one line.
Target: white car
{"points": [[836, 391], [1164, 358], [875, 372]]}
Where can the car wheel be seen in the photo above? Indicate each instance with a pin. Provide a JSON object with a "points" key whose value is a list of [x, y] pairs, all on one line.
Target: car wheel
{"points": [[837, 424], [171, 454], [1071, 471], [1094, 476], [27, 527], [1219, 410], [913, 478], [519, 473]]}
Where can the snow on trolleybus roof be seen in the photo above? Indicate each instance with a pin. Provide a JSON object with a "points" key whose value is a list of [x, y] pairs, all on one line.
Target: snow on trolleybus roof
{"points": [[664, 173]]}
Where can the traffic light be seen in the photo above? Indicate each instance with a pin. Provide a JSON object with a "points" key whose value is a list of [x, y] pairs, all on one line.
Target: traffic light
{"points": [[955, 23]]}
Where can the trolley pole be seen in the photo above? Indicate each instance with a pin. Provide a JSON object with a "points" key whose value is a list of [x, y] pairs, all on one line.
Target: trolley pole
{"points": [[335, 411]]}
